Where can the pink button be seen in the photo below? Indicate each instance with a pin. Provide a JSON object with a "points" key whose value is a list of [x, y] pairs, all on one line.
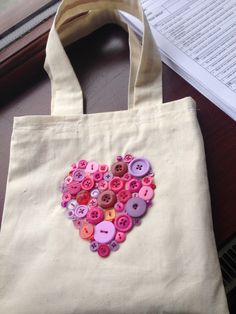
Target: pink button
{"points": [[82, 164], [120, 237], [104, 232], [104, 250], [127, 176], [123, 223], [102, 185], [74, 187], [147, 181], [97, 176], [78, 223], [87, 183], [103, 168], [146, 193], [66, 197], [134, 185], [123, 196], [116, 184], [68, 179], [119, 206], [128, 157], [92, 167], [95, 215]]}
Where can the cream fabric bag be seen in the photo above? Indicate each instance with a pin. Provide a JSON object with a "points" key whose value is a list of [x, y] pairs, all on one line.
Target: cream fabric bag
{"points": [[167, 265]]}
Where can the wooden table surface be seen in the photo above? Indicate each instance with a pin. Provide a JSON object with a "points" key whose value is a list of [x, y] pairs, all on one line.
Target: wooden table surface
{"points": [[102, 63]]}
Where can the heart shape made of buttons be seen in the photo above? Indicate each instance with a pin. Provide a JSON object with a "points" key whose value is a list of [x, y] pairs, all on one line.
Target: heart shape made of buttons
{"points": [[105, 204]]}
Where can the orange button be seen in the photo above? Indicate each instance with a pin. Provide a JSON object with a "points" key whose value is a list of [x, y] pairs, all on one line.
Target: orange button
{"points": [[109, 214], [87, 231]]}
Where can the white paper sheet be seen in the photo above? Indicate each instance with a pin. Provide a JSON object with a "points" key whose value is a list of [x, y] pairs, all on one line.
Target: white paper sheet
{"points": [[197, 38]]}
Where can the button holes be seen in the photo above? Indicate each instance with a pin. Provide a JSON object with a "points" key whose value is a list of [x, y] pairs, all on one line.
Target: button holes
{"points": [[103, 231], [135, 206]]}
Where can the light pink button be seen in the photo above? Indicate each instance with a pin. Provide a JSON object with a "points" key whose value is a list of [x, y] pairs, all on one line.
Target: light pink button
{"points": [[120, 237], [92, 167], [68, 179], [103, 168], [104, 232], [146, 193]]}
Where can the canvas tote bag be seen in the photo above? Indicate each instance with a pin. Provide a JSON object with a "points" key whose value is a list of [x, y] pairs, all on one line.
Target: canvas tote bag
{"points": [[168, 264]]}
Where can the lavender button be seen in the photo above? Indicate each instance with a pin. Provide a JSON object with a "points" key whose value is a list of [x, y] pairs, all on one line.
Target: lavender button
{"points": [[94, 246], [114, 246], [81, 211], [139, 167], [136, 207], [78, 175]]}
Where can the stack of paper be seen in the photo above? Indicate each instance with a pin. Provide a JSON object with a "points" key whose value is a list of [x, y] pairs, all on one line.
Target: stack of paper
{"points": [[197, 39]]}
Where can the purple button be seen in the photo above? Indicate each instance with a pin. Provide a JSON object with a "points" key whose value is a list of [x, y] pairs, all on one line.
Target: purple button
{"points": [[108, 176], [94, 246], [94, 193], [63, 187], [136, 207], [104, 232], [139, 167], [81, 211], [114, 246], [70, 214], [78, 175]]}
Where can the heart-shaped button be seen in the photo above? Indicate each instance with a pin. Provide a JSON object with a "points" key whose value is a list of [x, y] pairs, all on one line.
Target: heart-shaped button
{"points": [[105, 203]]}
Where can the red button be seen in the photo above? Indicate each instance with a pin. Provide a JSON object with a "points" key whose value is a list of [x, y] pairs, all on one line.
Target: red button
{"points": [[87, 183], [83, 197], [103, 250]]}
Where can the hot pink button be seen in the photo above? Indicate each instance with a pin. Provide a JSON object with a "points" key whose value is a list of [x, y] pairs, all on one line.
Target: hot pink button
{"points": [[104, 232], [92, 167], [146, 193], [95, 215], [119, 206], [97, 176], [120, 237], [82, 164], [74, 187], [123, 223], [134, 185]]}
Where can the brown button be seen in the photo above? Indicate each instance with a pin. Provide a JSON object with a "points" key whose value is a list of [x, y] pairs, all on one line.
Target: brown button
{"points": [[107, 199], [119, 168]]}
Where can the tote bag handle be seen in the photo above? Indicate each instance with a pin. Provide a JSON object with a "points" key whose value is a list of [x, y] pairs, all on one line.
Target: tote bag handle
{"points": [[76, 19]]}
